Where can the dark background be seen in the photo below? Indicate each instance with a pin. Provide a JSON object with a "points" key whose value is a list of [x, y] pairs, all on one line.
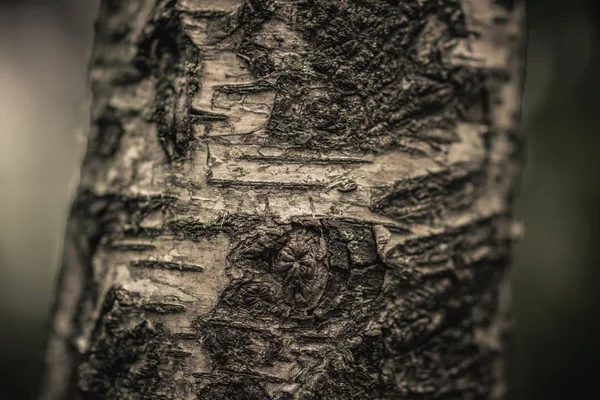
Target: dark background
{"points": [[44, 47]]}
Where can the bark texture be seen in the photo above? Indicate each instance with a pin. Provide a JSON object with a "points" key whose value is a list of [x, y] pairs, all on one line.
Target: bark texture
{"points": [[293, 199]]}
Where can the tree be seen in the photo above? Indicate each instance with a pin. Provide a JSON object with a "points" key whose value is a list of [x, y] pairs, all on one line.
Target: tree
{"points": [[293, 199]]}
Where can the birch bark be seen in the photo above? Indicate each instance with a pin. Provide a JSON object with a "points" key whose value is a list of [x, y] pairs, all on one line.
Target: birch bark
{"points": [[303, 199]]}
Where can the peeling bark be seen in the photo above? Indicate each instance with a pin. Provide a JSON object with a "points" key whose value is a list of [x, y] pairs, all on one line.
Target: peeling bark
{"points": [[297, 199]]}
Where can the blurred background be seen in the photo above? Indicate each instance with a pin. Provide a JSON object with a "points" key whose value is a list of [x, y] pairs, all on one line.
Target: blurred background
{"points": [[44, 48]]}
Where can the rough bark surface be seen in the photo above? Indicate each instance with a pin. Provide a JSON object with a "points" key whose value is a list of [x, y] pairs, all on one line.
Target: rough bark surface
{"points": [[293, 199]]}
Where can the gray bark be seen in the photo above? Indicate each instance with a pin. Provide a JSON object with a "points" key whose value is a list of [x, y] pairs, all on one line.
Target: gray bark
{"points": [[300, 199]]}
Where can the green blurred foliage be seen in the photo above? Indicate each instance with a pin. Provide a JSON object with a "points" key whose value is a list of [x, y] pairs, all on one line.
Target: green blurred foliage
{"points": [[557, 341], [44, 46]]}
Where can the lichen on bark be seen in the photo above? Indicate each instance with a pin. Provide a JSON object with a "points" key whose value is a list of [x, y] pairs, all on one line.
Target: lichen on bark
{"points": [[297, 199]]}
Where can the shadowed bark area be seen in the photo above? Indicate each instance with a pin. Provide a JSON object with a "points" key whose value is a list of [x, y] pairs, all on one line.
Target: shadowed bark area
{"points": [[297, 199]]}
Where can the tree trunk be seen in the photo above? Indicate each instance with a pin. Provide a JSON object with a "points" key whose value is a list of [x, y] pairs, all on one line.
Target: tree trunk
{"points": [[293, 199]]}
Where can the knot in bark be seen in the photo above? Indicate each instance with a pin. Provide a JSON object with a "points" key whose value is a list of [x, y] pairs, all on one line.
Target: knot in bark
{"points": [[302, 268]]}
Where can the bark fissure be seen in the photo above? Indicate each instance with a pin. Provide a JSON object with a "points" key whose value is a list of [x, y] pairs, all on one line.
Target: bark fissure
{"points": [[297, 199]]}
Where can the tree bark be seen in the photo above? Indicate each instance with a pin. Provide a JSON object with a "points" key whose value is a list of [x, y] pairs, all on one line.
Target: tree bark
{"points": [[293, 199]]}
